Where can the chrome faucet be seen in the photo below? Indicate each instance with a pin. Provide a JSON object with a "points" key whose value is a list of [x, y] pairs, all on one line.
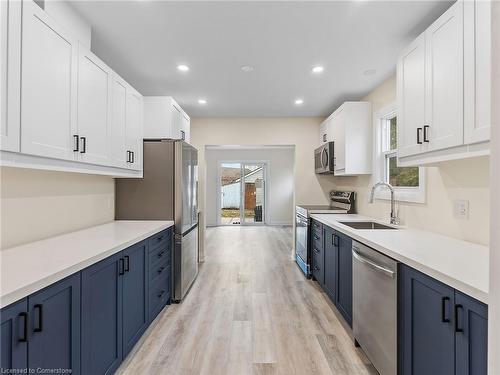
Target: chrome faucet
{"points": [[394, 218]]}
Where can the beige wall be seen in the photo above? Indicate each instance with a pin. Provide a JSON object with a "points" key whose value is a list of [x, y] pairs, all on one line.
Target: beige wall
{"points": [[464, 179], [39, 204]]}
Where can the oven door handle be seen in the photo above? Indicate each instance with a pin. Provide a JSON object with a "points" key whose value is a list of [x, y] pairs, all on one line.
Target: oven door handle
{"points": [[373, 265]]}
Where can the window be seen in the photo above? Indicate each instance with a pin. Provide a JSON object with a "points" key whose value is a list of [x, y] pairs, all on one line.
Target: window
{"points": [[408, 181]]}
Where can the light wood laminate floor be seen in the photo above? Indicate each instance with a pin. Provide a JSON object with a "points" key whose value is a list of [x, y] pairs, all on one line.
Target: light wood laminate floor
{"points": [[250, 311]]}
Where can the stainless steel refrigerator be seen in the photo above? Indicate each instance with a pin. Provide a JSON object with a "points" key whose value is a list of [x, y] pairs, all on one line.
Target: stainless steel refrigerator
{"points": [[168, 191]]}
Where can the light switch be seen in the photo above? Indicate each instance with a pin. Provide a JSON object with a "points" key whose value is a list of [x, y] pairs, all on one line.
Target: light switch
{"points": [[461, 209]]}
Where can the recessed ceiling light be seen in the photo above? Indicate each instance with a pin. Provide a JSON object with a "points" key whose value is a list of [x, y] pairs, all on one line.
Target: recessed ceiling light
{"points": [[370, 72], [299, 101], [247, 68], [182, 68], [202, 101], [317, 69]]}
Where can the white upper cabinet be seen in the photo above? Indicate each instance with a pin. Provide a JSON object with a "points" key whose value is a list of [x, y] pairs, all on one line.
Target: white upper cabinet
{"points": [[411, 97], [118, 151], [48, 100], [94, 108], [444, 88], [62, 108], [133, 130], [350, 128], [10, 82], [444, 110], [164, 118], [477, 63]]}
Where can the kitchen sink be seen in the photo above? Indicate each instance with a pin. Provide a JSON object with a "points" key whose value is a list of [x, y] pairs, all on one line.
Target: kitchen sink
{"points": [[365, 225]]}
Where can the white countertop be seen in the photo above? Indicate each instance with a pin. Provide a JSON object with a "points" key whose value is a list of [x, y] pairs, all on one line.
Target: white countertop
{"points": [[31, 267], [460, 264]]}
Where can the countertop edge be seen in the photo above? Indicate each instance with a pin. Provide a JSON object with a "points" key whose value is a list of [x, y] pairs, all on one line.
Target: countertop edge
{"points": [[442, 277], [26, 290]]}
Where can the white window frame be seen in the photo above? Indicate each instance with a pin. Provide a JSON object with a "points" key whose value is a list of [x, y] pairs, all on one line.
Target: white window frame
{"points": [[402, 194]]}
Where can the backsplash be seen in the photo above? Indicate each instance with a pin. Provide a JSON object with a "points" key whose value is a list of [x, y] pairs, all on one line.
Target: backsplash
{"points": [[39, 204]]}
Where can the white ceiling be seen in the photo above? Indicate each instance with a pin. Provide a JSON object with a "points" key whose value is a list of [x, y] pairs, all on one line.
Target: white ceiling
{"points": [[144, 41]]}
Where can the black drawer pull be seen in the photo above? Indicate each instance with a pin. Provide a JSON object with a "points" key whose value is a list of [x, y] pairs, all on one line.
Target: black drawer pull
{"points": [[161, 294], [159, 239], [335, 241], [160, 254], [457, 318], [419, 133], [40, 318], [76, 146], [160, 270], [121, 269], [127, 263], [84, 145], [316, 268], [316, 251], [316, 237], [444, 302], [426, 138], [26, 326]]}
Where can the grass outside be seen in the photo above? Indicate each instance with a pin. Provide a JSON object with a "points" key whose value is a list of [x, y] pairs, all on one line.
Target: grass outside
{"points": [[228, 212]]}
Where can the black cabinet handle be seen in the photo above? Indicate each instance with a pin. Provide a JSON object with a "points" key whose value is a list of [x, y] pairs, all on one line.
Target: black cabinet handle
{"points": [[160, 254], [335, 241], [128, 156], [426, 128], [121, 267], [419, 132], [183, 135], [26, 326], [316, 237], [84, 145], [161, 294], [132, 153], [160, 270], [39, 307], [316, 251], [316, 268], [76, 146], [444, 303], [127, 263], [159, 239], [457, 318]]}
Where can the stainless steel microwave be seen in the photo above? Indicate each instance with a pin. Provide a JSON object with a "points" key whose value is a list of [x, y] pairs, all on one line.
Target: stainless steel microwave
{"points": [[324, 160]]}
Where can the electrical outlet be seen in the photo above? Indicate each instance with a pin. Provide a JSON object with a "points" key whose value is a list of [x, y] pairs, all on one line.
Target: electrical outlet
{"points": [[461, 209]]}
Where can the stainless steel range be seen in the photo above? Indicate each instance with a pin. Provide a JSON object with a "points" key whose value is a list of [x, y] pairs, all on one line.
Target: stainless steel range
{"points": [[341, 202]]}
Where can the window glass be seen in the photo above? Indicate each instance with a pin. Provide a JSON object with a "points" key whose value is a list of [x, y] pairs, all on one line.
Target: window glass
{"points": [[401, 176]]}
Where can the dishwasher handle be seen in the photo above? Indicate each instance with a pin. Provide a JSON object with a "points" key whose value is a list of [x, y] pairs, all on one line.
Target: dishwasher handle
{"points": [[373, 265]]}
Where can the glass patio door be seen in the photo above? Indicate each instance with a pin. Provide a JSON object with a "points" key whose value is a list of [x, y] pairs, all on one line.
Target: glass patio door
{"points": [[242, 193]]}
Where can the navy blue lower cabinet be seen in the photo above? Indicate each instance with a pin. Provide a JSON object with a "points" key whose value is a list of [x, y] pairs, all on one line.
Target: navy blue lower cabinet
{"points": [[427, 325], [471, 333], [102, 286], [330, 263], [344, 275], [14, 336], [135, 294], [54, 341]]}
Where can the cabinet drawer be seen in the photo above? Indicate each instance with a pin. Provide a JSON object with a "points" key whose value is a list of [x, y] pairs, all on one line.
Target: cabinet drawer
{"points": [[159, 255], [316, 241], [318, 267], [161, 239], [158, 270], [159, 293], [317, 228]]}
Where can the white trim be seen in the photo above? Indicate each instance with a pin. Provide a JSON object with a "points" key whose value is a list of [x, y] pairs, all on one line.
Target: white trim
{"points": [[402, 194]]}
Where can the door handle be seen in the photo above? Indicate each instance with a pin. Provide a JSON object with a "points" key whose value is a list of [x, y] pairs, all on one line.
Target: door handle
{"points": [[419, 133], [84, 145], [132, 154], [121, 270], [457, 318], [39, 307], [26, 326], [426, 128], [127, 263], [373, 265], [444, 302], [76, 145]]}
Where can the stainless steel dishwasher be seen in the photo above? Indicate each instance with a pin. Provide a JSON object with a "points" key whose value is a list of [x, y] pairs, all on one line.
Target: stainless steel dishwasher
{"points": [[375, 288]]}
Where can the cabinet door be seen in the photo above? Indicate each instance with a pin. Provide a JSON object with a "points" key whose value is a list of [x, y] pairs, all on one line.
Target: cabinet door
{"points": [[135, 292], [176, 122], [411, 98], [102, 316], [471, 336], [344, 286], [330, 265], [338, 137], [48, 100], [477, 71], [428, 337], [134, 127], [117, 140], [14, 336], [93, 120], [322, 133], [10, 76], [444, 107], [55, 326]]}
